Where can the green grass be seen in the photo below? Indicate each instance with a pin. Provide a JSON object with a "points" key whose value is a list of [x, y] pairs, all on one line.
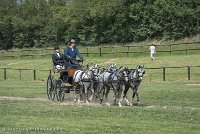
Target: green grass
{"points": [[168, 60], [73, 119], [165, 108], [170, 106], [42, 65]]}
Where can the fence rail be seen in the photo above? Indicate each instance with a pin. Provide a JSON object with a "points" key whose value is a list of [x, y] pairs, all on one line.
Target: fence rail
{"points": [[113, 50], [49, 71]]}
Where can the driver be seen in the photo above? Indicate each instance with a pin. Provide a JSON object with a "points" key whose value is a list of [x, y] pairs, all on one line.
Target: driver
{"points": [[70, 53]]}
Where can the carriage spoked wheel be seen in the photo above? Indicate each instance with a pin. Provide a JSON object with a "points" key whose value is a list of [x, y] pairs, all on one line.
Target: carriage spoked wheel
{"points": [[51, 87], [60, 92]]}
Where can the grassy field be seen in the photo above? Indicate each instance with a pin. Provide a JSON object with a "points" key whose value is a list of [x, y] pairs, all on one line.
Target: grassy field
{"points": [[172, 74], [166, 107], [170, 106]]}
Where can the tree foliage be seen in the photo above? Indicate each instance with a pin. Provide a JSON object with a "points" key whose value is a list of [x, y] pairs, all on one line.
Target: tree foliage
{"points": [[43, 23]]}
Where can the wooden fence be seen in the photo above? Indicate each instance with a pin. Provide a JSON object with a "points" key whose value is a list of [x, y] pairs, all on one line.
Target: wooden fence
{"points": [[100, 50], [34, 71]]}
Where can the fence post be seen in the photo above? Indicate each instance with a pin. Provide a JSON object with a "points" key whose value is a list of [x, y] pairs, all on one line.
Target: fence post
{"points": [[50, 72], [188, 72], [5, 77], [128, 51], [20, 74], [100, 51], [87, 51], [34, 74], [113, 51], [164, 74], [170, 48], [141, 48]]}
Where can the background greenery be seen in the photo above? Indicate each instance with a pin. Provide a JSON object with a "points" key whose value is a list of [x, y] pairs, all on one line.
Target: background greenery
{"points": [[42, 23]]}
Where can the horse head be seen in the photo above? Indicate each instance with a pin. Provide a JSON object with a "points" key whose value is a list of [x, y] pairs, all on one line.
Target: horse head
{"points": [[139, 72], [94, 68], [112, 68], [123, 73]]}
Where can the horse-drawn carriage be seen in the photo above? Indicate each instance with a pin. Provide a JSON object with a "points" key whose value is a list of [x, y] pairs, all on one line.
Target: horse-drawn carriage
{"points": [[58, 87], [94, 83]]}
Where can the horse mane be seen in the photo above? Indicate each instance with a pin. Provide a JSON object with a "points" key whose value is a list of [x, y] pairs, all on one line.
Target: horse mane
{"points": [[139, 66], [121, 67]]}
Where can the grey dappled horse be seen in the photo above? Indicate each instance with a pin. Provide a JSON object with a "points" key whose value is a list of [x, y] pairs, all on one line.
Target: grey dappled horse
{"points": [[83, 81], [112, 67], [114, 80], [135, 77]]}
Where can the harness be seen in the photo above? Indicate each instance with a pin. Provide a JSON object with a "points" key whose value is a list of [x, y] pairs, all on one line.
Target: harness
{"points": [[134, 81], [76, 75], [86, 79], [110, 79]]}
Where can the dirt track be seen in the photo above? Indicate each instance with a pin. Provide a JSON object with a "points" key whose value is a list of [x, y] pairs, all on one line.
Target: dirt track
{"points": [[21, 98], [93, 104]]}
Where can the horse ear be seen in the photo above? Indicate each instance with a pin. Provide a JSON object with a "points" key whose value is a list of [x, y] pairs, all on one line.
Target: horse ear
{"points": [[143, 66], [115, 64], [95, 66]]}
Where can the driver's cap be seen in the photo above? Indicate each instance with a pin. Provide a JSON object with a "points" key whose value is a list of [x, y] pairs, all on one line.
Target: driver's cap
{"points": [[72, 41]]}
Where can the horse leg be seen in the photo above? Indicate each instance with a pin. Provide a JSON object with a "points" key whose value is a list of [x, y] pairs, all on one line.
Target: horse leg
{"points": [[106, 95], [134, 93], [119, 98], [138, 100], [115, 98], [101, 93], [124, 95], [91, 92], [96, 92], [86, 94], [115, 95], [80, 94], [75, 92]]}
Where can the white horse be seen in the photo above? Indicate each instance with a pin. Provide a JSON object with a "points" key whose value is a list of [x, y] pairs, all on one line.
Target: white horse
{"points": [[114, 80], [83, 81]]}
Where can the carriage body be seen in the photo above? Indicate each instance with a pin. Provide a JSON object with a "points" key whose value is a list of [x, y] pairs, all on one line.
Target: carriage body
{"points": [[58, 87]]}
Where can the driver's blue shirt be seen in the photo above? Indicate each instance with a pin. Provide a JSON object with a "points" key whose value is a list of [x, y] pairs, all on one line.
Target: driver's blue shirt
{"points": [[70, 53]]}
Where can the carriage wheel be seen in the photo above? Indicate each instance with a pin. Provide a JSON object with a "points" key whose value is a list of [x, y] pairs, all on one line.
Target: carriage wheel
{"points": [[51, 87], [60, 92]]}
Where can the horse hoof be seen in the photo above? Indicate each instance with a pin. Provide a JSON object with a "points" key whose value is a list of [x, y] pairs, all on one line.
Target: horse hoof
{"points": [[127, 102], [87, 102], [131, 104], [120, 105], [107, 104]]}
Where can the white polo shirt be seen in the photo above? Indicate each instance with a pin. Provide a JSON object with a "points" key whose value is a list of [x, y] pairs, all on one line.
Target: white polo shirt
{"points": [[152, 49]]}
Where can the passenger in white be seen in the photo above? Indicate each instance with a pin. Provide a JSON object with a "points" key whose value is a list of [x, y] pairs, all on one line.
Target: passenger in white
{"points": [[152, 50]]}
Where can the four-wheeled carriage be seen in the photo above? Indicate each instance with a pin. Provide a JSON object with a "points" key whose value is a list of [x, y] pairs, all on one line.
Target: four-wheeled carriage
{"points": [[64, 84]]}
